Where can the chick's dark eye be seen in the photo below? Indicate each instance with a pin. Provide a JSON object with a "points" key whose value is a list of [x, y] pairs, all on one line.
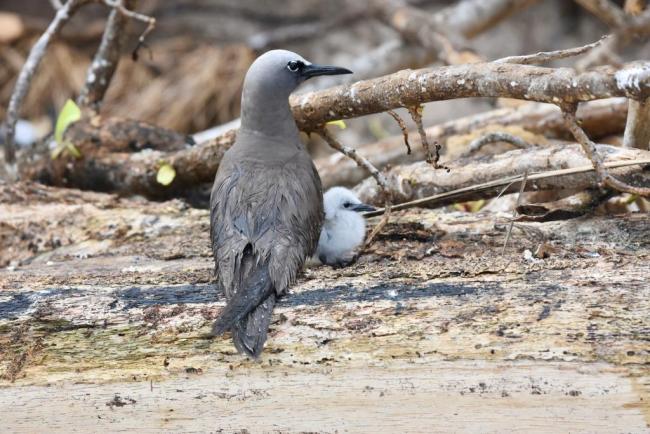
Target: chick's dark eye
{"points": [[294, 65], [347, 205]]}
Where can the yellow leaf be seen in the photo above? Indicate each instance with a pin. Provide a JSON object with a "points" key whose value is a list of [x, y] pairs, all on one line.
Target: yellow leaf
{"points": [[340, 123], [166, 174], [69, 113]]}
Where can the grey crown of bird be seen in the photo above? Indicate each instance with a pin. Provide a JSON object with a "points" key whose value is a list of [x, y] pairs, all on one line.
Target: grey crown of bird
{"points": [[344, 228], [266, 206]]}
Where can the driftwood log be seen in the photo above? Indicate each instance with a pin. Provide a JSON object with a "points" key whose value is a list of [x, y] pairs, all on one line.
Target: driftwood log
{"points": [[104, 321], [419, 180]]}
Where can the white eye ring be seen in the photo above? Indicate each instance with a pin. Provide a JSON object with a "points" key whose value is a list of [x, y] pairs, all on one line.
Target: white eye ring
{"points": [[293, 66]]}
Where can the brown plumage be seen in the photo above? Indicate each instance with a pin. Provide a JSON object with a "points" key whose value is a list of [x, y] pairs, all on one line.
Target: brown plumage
{"points": [[266, 207]]}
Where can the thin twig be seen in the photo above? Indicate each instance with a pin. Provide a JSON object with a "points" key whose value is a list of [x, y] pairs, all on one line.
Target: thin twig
{"points": [[514, 212], [23, 82], [589, 148], [499, 136], [352, 154], [150, 21], [402, 126], [379, 226], [56, 4], [461, 194], [416, 115], [548, 56], [362, 162]]}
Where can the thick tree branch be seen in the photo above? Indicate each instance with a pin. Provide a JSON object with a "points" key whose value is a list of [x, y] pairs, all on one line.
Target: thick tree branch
{"points": [[486, 177], [411, 88], [398, 90], [600, 118]]}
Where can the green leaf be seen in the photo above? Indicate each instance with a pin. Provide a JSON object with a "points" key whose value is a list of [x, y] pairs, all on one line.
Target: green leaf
{"points": [[340, 123], [69, 113], [166, 174]]}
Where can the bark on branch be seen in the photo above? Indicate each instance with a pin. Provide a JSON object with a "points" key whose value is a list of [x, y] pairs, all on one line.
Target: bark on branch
{"points": [[418, 180], [411, 88], [405, 88], [589, 147], [104, 64]]}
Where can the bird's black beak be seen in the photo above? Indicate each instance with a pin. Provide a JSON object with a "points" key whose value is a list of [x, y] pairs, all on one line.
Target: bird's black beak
{"points": [[362, 207], [313, 70]]}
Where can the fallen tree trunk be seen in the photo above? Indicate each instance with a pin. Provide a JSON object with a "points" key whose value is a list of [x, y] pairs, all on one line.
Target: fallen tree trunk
{"points": [[420, 180], [431, 330]]}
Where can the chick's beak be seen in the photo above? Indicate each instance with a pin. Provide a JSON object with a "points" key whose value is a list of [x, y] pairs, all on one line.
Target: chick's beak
{"points": [[362, 207]]}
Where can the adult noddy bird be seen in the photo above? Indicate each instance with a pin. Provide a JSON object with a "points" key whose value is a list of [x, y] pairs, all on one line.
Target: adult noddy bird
{"points": [[266, 207], [343, 229]]}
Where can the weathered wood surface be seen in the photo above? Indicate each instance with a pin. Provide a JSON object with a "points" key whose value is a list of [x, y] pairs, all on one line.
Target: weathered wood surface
{"points": [[104, 315]]}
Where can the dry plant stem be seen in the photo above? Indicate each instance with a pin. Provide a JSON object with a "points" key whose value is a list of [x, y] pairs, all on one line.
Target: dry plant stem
{"points": [[416, 115], [379, 226], [637, 128], [514, 212], [376, 174], [605, 10], [599, 118], [150, 21], [104, 64], [467, 193], [23, 82], [402, 126], [590, 149], [477, 144], [352, 154], [548, 56]]}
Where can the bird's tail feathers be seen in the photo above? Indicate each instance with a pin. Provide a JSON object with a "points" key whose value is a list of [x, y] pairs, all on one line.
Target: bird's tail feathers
{"points": [[249, 333], [254, 289]]}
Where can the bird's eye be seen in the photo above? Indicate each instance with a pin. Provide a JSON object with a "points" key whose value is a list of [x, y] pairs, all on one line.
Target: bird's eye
{"points": [[294, 65], [347, 205]]}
